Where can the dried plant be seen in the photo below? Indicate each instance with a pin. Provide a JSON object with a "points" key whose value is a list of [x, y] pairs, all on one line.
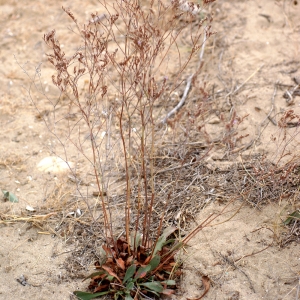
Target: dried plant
{"points": [[113, 89]]}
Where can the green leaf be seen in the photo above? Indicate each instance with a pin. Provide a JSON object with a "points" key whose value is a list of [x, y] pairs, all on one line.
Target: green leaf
{"points": [[88, 296], [154, 262], [137, 241], [170, 241], [128, 297], [102, 256], [142, 272], [169, 282], [150, 291], [173, 249], [162, 239], [153, 286], [130, 285], [10, 196], [129, 273], [94, 274], [110, 278], [294, 216], [168, 231]]}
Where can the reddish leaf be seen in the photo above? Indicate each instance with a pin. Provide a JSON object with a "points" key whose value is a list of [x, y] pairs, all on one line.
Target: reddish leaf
{"points": [[99, 285], [206, 284], [98, 277], [92, 286], [120, 263], [111, 272], [101, 288], [142, 257], [129, 260], [168, 292], [147, 260], [110, 241], [142, 272], [160, 277], [178, 273], [123, 255], [164, 251], [123, 239], [120, 245], [107, 250], [109, 261], [167, 268], [125, 247], [142, 249]]}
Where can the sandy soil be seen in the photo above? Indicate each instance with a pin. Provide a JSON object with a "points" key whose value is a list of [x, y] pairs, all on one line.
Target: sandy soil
{"points": [[256, 45]]}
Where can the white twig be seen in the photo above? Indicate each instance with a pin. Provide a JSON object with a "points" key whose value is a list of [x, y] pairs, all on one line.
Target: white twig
{"points": [[188, 85], [202, 48], [181, 102]]}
